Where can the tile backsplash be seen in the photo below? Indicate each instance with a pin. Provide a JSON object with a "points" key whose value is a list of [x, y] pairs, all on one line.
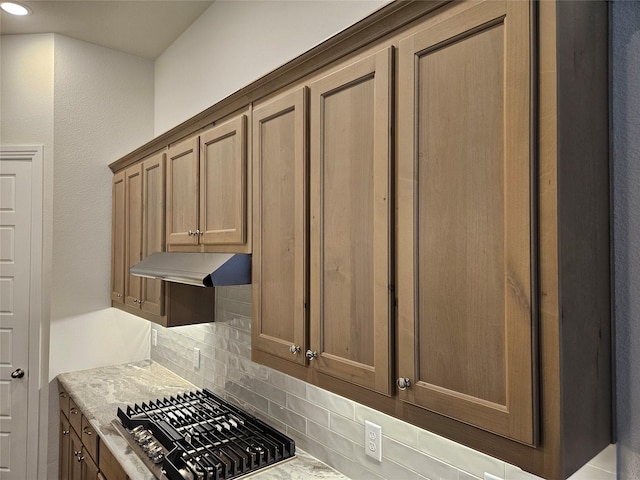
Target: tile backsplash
{"points": [[327, 426]]}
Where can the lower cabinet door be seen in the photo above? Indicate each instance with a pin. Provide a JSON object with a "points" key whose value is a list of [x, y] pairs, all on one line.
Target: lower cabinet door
{"points": [[64, 456], [75, 460], [88, 467]]}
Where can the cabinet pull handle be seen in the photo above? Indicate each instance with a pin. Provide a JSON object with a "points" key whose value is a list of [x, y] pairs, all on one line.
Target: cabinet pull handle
{"points": [[294, 349], [87, 431], [403, 383], [63, 394], [74, 411], [311, 355]]}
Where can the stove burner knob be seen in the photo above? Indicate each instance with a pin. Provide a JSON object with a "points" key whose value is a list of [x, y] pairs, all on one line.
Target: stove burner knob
{"points": [[150, 445]]}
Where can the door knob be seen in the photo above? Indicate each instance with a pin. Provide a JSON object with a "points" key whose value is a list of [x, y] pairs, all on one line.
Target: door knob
{"points": [[17, 373]]}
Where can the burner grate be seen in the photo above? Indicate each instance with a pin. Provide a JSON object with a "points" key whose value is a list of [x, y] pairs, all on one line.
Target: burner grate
{"points": [[205, 437]]}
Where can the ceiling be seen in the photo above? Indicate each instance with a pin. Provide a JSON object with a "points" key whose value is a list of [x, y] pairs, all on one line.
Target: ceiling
{"points": [[143, 27]]}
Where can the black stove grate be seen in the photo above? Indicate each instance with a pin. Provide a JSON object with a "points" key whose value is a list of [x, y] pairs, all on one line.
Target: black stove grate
{"points": [[205, 437]]}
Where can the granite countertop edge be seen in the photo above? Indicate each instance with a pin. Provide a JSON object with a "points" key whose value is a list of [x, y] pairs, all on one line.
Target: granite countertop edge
{"points": [[99, 392]]}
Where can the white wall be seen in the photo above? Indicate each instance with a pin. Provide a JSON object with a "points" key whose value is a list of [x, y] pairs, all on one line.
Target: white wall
{"points": [[626, 166], [103, 108], [236, 42], [88, 106]]}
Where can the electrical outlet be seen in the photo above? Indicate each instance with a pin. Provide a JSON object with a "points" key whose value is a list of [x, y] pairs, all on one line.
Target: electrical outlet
{"points": [[154, 337], [488, 476], [373, 440], [196, 358]]}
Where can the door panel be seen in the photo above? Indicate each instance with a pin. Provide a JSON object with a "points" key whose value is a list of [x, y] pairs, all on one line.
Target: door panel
{"points": [[182, 192], [153, 218], [133, 220], [15, 270], [464, 226], [280, 253], [351, 221], [118, 240], [223, 170]]}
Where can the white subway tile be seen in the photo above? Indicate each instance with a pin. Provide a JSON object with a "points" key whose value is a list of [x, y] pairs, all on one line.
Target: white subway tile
{"points": [[386, 469], [605, 460], [416, 461], [309, 410], [347, 428], [287, 383], [287, 416], [463, 458], [330, 439], [335, 403], [589, 472]]}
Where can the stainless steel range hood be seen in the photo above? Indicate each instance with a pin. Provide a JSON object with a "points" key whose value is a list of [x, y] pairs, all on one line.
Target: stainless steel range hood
{"points": [[200, 269]]}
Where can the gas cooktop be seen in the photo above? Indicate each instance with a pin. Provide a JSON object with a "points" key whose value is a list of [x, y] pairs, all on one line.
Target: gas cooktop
{"points": [[200, 436]]}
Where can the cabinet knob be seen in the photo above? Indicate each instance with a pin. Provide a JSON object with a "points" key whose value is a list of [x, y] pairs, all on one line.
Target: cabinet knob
{"points": [[294, 349], [65, 432], [311, 355], [403, 383], [17, 373], [87, 431], [74, 411]]}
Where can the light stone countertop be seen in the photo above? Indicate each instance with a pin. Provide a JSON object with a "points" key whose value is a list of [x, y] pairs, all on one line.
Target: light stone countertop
{"points": [[99, 392]]}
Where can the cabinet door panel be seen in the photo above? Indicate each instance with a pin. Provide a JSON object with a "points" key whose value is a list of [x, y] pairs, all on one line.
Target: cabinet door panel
{"points": [[223, 180], [133, 215], [351, 221], [279, 271], [182, 192], [153, 218], [64, 456], [118, 238], [465, 315]]}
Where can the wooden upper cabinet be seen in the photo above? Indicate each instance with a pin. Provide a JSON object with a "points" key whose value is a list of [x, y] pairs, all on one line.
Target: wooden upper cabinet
{"points": [[145, 216], [133, 215], [153, 228], [350, 178], [182, 192], [207, 201], [117, 238], [280, 246], [466, 323], [223, 183]]}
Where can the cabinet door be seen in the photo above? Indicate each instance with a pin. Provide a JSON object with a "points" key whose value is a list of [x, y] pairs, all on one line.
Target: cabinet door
{"points": [[153, 218], [351, 222], [223, 183], [465, 331], [118, 238], [64, 455], [182, 193], [89, 469], [133, 233], [280, 284], [75, 461]]}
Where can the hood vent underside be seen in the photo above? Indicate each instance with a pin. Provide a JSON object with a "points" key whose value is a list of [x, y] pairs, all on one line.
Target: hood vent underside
{"points": [[199, 269]]}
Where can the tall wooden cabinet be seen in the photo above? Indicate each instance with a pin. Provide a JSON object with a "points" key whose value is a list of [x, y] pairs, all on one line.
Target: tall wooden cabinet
{"points": [[466, 320]]}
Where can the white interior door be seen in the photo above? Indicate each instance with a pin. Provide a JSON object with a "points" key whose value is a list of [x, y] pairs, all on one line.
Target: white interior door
{"points": [[18, 311]]}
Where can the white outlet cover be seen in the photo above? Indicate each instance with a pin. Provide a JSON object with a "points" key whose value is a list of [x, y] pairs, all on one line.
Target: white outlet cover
{"points": [[196, 358], [373, 440]]}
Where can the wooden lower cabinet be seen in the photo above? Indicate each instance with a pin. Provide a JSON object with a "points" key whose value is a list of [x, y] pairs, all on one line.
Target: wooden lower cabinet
{"points": [[80, 449]]}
